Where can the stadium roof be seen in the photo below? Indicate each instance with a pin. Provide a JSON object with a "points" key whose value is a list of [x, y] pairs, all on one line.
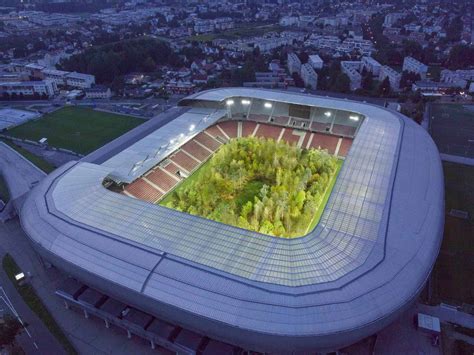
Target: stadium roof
{"points": [[141, 156], [363, 264]]}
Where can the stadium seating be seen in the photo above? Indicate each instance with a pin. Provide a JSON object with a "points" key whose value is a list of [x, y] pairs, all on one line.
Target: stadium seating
{"points": [[196, 150], [247, 128], [343, 130], [345, 146], [268, 131], [325, 141], [207, 141], [161, 179], [229, 127], [143, 191], [291, 138], [185, 161], [281, 120], [200, 147]]}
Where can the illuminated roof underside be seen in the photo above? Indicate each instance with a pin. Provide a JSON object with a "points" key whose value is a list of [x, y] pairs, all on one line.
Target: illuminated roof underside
{"points": [[365, 261]]}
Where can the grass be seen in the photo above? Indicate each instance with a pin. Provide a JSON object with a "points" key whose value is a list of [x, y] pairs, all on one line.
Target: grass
{"points": [[237, 33], [4, 193], [452, 275], [36, 160], [79, 129], [325, 200], [34, 302]]}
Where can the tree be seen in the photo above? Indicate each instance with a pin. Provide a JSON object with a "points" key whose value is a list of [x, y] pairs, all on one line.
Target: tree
{"points": [[367, 80], [9, 329], [342, 83], [384, 87], [460, 57], [408, 78]]}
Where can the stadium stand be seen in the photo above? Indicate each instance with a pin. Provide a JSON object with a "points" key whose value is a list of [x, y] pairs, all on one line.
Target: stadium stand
{"points": [[345, 146], [229, 127], [291, 138], [196, 150], [343, 130], [248, 128], [181, 164], [208, 141], [268, 131], [161, 179], [183, 160], [324, 141], [142, 190]]}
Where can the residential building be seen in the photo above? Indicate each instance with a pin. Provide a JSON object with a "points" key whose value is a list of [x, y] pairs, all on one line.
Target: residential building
{"points": [[79, 80], [98, 92], [371, 65], [29, 88], [391, 18], [294, 63], [309, 76], [316, 61], [393, 76], [351, 69], [412, 65], [58, 76], [433, 88]]}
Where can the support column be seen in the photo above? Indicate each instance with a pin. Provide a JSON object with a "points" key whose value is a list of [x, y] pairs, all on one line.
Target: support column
{"points": [[129, 335], [152, 344], [86, 315], [107, 324], [66, 305]]}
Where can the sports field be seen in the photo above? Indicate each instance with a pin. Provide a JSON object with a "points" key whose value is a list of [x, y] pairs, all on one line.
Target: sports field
{"points": [[79, 129], [452, 128], [452, 275], [260, 185]]}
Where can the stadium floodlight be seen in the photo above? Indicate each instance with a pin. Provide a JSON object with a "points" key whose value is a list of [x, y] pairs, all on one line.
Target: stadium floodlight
{"points": [[327, 114], [245, 102], [191, 128], [229, 102], [267, 105], [354, 118], [171, 141]]}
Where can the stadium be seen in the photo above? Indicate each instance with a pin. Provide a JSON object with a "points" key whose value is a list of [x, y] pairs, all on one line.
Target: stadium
{"points": [[364, 263]]}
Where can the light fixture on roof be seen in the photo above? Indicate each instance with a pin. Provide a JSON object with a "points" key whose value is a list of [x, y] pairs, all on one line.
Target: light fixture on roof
{"points": [[191, 128], [354, 118], [171, 141], [245, 102], [229, 102], [327, 114], [267, 105], [181, 135]]}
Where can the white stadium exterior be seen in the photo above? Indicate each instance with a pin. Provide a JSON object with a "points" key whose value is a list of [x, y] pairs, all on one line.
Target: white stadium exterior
{"points": [[357, 271]]}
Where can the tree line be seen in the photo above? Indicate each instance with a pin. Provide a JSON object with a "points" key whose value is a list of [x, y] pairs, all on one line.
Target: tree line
{"points": [[108, 61], [259, 184]]}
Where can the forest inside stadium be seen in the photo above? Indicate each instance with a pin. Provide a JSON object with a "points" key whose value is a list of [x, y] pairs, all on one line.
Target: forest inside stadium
{"points": [[261, 185]]}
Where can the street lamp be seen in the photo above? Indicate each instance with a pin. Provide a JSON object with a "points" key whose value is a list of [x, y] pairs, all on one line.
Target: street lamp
{"points": [[267, 105], [327, 114], [229, 102], [354, 118], [245, 102]]}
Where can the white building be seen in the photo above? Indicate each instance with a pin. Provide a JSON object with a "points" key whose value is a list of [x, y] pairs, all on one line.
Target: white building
{"points": [[98, 92], [458, 77], [309, 76], [294, 63], [79, 80], [351, 69], [393, 76], [391, 18], [412, 65], [316, 61], [371, 65], [58, 76], [29, 88], [286, 21]]}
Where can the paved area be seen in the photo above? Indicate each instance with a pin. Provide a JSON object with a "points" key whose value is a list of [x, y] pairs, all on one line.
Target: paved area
{"points": [[401, 337], [89, 336], [448, 314], [54, 157], [18, 172]]}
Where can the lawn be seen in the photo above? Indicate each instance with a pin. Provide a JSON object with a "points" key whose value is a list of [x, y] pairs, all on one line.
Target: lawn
{"points": [[79, 129], [34, 302], [260, 185], [452, 275], [237, 33], [36, 160]]}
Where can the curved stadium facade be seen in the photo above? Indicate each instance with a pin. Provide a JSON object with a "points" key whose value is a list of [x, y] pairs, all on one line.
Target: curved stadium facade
{"points": [[364, 263]]}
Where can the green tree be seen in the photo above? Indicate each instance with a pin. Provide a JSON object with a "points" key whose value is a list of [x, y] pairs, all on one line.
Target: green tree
{"points": [[384, 87], [342, 83], [9, 329]]}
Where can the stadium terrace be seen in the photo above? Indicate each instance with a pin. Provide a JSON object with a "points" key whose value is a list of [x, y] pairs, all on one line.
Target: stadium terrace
{"points": [[363, 264]]}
